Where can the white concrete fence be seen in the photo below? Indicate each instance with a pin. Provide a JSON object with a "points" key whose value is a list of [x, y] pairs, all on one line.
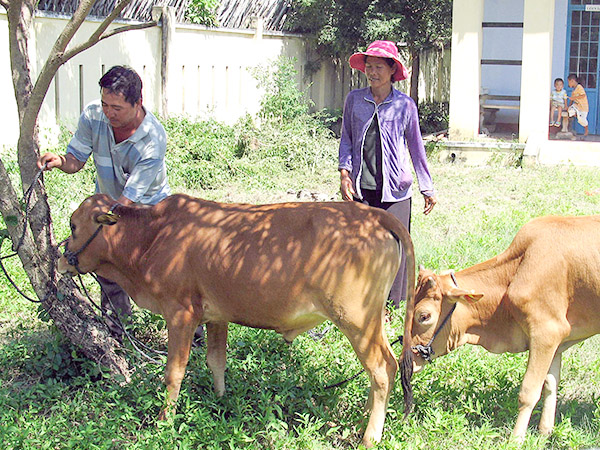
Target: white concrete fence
{"points": [[207, 71]]}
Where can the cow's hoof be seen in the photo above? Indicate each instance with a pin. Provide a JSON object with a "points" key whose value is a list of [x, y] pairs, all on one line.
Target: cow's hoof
{"points": [[368, 443], [166, 414]]}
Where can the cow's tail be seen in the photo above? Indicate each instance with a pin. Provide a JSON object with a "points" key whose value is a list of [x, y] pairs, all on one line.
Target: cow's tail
{"points": [[406, 359]]}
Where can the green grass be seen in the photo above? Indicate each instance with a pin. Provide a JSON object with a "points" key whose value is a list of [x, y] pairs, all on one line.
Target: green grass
{"points": [[53, 398]]}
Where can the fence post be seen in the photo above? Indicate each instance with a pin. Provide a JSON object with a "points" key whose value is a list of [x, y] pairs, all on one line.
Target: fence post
{"points": [[166, 14]]}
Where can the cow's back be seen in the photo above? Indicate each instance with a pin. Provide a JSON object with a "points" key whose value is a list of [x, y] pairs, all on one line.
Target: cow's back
{"points": [[558, 276], [281, 259]]}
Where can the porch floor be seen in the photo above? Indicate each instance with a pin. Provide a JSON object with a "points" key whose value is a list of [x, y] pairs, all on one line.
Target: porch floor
{"points": [[553, 131], [502, 146]]}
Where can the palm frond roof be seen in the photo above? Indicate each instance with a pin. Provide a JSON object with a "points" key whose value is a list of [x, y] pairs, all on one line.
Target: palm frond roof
{"points": [[140, 10], [239, 13], [230, 13]]}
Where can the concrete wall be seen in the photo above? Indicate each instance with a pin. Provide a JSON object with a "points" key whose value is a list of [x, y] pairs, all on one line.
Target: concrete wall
{"points": [[559, 50], [76, 82], [210, 73], [538, 26], [9, 119], [465, 82], [502, 44]]}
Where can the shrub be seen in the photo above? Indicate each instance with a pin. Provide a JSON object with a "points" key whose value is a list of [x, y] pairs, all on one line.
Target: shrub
{"points": [[433, 117], [199, 153], [282, 100], [289, 133]]}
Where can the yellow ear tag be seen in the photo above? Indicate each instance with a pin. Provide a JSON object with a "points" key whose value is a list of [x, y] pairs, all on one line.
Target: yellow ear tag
{"points": [[472, 298], [109, 218]]}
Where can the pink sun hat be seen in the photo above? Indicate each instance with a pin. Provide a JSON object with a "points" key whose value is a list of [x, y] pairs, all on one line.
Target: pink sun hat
{"points": [[380, 49]]}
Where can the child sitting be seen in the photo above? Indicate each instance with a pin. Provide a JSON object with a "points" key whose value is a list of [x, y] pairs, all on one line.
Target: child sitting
{"points": [[579, 106], [558, 101]]}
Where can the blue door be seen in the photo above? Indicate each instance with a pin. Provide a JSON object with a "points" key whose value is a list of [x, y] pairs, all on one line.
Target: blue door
{"points": [[583, 35]]}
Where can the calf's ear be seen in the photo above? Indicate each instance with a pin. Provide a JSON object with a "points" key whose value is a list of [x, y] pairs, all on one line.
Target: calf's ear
{"points": [[107, 219], [462, 295]]}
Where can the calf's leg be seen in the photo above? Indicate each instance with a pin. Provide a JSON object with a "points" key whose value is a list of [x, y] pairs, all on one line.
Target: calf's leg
{"points": [[181, 327], [550, 392], [216, 348], [541, 354], [375, 354]]}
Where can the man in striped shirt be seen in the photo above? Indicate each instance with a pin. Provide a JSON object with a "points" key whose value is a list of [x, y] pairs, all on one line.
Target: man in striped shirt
{"points": [[129, 146]]}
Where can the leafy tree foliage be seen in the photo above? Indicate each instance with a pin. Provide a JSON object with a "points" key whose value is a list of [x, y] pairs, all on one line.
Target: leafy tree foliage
{"points": [[203, 12], [422, 24], [282, 101], [336, 26], [340, 27]]}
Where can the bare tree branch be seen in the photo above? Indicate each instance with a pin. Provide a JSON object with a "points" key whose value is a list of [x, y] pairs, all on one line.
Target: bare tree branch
{"points": [[80, 48], [109, 19], [72, 26]]}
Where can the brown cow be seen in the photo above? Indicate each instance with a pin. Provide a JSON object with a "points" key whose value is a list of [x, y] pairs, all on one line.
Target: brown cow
{"points": [[542, 294], [285, 267]]}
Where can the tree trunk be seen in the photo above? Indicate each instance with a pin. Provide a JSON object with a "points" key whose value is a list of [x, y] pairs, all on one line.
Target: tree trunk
{"points": [[414, 74], [167, 30], [73, 316], [38, 253], [20, 16]]}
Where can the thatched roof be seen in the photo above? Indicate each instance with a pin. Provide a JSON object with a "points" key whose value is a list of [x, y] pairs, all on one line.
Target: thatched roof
{"points": [[239, 13], [140, 10], [230, 14]]}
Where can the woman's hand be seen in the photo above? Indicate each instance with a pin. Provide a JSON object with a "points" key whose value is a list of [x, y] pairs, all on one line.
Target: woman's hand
{"points": [[346, 186], [429, 204]]}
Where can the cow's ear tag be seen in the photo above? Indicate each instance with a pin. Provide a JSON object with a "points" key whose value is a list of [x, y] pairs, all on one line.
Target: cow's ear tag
{"points": [[462, 295], [108, 218], [472, 298]]}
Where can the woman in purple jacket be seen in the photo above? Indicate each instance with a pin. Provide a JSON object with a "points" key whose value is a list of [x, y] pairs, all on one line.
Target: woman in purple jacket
{"points": [[380, 130]]}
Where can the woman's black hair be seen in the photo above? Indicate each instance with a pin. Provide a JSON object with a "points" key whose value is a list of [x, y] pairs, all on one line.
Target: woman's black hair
{"points": [[123, 80], [390, 62]]}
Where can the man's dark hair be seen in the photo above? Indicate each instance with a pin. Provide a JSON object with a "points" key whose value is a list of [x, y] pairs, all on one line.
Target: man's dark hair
{"points": [[122, 80], [573, 77]]}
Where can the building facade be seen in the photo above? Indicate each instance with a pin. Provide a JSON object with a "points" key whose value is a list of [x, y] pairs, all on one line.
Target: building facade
{"points": [[509, 52]]}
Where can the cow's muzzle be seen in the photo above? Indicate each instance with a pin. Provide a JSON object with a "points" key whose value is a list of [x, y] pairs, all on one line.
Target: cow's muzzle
{"points": [[426, 351], [72, 257]]}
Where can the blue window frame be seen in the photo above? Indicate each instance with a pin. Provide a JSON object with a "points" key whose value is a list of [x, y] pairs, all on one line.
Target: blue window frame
{"points": [[583, 39]]}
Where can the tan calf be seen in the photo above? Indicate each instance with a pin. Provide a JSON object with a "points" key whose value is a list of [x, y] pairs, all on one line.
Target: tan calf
{"points": [[285, 267], [542, 294]]}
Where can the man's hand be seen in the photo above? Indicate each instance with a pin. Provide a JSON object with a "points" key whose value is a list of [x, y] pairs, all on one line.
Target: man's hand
{"points": [[51, 160], [67, 163], [346, 186], [429, 204], [124, 201]]}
